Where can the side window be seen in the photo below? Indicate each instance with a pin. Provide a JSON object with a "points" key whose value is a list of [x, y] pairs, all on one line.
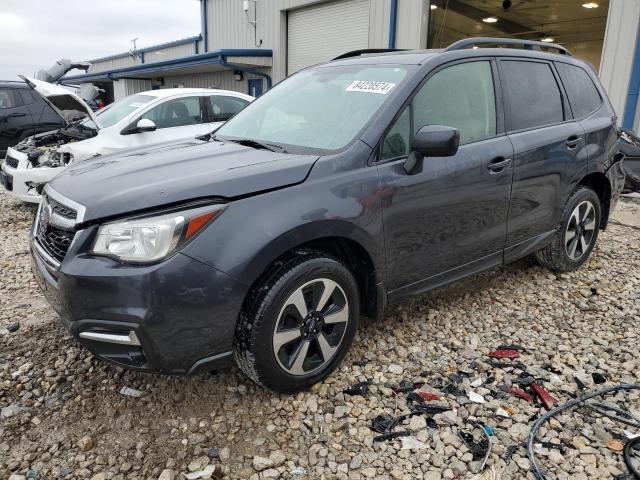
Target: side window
{"points": [[9, 98], [225, 107], [28, 97], [583, 94], [176, 113], [396, 142], [534, 95], [461, 96]]}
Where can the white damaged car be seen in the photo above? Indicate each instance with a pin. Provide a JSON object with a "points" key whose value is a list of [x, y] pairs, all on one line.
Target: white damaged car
{"points": [[142, 119]]}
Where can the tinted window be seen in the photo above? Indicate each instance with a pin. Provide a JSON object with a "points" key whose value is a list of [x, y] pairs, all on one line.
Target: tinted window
{"points": [[9, 98], [533, 93], [396, 142], [223, 108], [583, 94], [28, 97], [176, 113], [460, 96]]}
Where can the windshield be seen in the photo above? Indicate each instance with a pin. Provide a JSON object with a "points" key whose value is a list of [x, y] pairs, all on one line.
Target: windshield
{"points": [[323, 108], [115, 112]]}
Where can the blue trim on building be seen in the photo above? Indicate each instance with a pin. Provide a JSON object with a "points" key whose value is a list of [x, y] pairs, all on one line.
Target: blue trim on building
{"points": [[393, 20], [175, 43], [633, 93], [218, 57]]}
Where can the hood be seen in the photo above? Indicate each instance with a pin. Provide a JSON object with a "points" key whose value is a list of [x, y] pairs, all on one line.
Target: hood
{"points": [[143, 179], [66, 104]]}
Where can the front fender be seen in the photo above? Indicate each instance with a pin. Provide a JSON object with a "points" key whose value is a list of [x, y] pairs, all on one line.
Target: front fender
{"points": [[253, 232]]}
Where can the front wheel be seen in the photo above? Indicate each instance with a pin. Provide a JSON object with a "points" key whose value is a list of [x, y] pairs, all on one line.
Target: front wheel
{"points": [[297, 326], [577, 234]]}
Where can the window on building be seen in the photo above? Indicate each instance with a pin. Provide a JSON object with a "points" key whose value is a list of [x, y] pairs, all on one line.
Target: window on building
{"points": [[224, 107], [583, 94], [9, 98], [461, 96], [177, 112], [396, 143], [533, 93]]}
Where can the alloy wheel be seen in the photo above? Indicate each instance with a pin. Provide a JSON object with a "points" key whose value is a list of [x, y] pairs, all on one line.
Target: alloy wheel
{"points": [[310, 327], [580, 230]]}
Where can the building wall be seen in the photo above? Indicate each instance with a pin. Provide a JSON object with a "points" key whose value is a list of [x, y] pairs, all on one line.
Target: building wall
{"points": [[125, 87], [229, 26], [618, 50], [150, 56], [222, 79]]}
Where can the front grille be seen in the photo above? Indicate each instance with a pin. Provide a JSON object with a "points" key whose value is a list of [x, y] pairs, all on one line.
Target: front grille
{"points": [[11, 162], [55, 239]]}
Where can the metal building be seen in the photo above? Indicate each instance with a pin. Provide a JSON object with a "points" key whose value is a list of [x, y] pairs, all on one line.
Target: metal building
{"points": [[248, 45]]}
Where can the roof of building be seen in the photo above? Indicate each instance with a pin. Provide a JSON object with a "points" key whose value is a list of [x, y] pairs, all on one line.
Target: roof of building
{"points": [[218, 57]]}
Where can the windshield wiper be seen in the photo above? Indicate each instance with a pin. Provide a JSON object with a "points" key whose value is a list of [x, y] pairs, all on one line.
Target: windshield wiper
{"points": [[248, 142]]}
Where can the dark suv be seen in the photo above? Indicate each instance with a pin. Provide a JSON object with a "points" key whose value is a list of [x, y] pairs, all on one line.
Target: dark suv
{"points": [[23, 113], [347, 186]]}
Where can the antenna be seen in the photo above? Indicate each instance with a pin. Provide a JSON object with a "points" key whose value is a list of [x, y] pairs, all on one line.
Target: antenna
{"points": [[133, 41]]}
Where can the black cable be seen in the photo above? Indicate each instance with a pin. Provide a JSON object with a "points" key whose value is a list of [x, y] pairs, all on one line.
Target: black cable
{"points": [[628, 448], [535, 466]]}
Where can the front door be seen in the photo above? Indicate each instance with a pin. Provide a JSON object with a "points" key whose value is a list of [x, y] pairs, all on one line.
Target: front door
{"points": [[175, 119], [15, 119], [449, 217]]}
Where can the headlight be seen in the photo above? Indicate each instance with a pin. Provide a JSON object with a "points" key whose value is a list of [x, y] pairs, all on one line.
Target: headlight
{"points": [[149, 239]]}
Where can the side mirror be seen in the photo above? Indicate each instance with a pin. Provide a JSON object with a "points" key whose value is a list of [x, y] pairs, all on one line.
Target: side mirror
{"points": [[145, 125], [432, 141]]}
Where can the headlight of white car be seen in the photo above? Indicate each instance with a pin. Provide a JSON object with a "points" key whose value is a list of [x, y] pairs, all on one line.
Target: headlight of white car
{"points": [[149, 239]]}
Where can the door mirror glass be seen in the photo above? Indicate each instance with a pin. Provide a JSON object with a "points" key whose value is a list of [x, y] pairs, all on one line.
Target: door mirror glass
{"points": [[145, 125], [436, 141]]}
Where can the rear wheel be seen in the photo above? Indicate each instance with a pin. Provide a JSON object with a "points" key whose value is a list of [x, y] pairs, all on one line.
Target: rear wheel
{"points": [[576, 236], [298, 325]]}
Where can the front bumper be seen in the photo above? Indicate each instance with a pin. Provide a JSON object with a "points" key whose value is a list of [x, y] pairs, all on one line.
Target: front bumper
{"points": [[181, 312], [19, 182]]}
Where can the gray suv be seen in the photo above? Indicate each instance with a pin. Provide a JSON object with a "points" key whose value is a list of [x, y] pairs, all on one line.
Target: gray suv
{"points": [[346, 187]]}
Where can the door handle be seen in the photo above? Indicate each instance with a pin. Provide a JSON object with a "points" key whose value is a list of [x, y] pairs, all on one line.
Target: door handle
{"points": [[573, 141], [498, 164], [18, 114]]}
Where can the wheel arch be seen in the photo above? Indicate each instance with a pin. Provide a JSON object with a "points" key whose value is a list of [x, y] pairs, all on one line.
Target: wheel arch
{"points": [[599, 183], [344, 241]]}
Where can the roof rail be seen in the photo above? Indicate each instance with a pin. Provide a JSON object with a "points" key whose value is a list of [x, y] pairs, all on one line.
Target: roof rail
{"points": [[365, 51], [527, 44]]}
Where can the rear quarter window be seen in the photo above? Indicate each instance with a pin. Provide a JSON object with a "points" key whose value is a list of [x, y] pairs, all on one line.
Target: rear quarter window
{"points": [[533, 94], [582, 92]]}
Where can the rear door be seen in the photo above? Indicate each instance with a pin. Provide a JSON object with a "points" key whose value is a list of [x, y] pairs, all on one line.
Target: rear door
{"points": [[223, 107], [15, 119], [549, 151], [448, 218]]}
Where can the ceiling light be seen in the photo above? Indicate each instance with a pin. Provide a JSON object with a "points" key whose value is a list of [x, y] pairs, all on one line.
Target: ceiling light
{"points": [[547, 39], [433, 7], [590, 5], [490, 20]]}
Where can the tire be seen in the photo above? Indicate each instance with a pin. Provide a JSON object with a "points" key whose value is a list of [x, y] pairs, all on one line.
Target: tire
{"points": [[273, 333], [576, 235]]}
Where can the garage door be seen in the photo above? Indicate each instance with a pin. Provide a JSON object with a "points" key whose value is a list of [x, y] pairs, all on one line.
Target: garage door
{"points": [[317, 34]]}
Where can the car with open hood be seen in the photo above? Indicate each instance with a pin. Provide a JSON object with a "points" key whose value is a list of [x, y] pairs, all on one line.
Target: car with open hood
{"points": [[142, 119], [344, 188]]}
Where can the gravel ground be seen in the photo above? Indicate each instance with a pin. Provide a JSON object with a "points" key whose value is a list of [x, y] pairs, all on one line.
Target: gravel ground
{"points": [[63, 415]]}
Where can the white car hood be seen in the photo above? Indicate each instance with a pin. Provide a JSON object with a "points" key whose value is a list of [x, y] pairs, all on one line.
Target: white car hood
{"points": [[66, 104]]}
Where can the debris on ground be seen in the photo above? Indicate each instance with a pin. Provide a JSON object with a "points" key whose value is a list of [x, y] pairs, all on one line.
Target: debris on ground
{"points": [[130, 392], [505, 353], [412, 443], [361, 388], [13, 327]]}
